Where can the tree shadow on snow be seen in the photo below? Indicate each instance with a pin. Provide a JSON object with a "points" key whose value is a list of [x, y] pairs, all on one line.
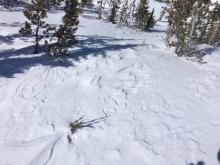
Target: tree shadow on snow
{"points": [[99, 46], [17, 61], [208, 50], [9, 39], [198, 163], [90, 17], [218, 156], [13, 24], [14, 61]]}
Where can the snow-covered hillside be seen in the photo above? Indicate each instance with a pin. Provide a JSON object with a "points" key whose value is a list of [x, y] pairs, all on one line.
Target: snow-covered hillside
{"points": [[141, 104]]}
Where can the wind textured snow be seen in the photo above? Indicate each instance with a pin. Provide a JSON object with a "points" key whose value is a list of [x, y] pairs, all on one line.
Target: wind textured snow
{"points": [[145, 105]]}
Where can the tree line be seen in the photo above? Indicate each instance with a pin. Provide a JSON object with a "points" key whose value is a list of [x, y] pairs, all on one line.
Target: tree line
{"points": [[190, 22]]}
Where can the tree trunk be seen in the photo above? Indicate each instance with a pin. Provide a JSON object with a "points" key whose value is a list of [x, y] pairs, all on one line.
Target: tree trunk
{"points": [[37, 37]]}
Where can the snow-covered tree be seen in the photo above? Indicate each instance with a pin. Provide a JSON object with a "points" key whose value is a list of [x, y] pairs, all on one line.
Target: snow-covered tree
{"points": [[133, 9], [124, 13], [100, 8], [210, 31]]}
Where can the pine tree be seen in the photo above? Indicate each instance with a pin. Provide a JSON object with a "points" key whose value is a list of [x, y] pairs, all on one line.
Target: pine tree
{"points": [[179, 15], [210, 31], [115, 5], [35, 12], [151, 21], [65, 35], [193, 22], [144, 19]]}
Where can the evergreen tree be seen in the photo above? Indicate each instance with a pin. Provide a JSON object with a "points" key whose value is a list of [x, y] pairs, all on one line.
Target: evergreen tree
{"points": [[193, 22], [115, 5], [178, 14], [151, 21], [65, 35], [210, 31], [35, 12], [144, 19]]}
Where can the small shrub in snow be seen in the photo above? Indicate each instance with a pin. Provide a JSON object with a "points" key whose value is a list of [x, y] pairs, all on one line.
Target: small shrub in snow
{"points": [[74, 126], [80, 123]]}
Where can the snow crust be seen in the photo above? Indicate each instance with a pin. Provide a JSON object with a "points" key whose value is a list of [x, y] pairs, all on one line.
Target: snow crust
{"points": [[156, 108]]}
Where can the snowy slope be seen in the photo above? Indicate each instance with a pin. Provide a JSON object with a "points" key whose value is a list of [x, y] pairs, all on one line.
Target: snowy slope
{"points": [[149, 106]]}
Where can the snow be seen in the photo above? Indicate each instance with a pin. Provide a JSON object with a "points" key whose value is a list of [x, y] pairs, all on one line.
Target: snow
{"points": [[151, 107]]}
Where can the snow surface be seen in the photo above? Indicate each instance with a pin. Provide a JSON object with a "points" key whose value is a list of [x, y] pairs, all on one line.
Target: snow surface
{"points": [[149, 107]]}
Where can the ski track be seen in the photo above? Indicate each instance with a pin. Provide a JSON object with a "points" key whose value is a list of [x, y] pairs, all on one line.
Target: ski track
{"points": [[147, 121]]}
